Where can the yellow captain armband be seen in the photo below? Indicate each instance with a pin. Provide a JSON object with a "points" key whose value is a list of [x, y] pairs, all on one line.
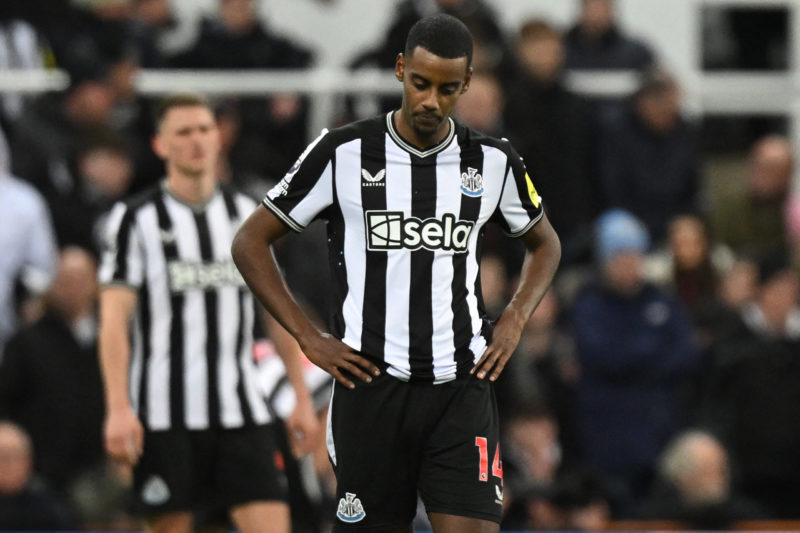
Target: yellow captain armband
{"points": [[532, 191]]}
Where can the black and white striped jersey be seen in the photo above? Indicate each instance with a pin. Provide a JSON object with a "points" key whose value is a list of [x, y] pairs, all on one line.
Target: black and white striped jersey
{"points": [[404, 234], [191, 360]]}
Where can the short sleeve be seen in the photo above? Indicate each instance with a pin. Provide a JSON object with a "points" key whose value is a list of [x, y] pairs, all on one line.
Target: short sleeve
{"points": [[122, 260], [520, 206], [307, 189]]}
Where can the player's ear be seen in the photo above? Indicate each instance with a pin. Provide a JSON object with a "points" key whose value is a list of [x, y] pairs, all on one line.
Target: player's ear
{"points": [[400, 67], [157, 144], [467, 79]]}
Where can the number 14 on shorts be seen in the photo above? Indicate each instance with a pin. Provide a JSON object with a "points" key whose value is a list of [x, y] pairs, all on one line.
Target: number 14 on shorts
{"points": [[497, 466]]}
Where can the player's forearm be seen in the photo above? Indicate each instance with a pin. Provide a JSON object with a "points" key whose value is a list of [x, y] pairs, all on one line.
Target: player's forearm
{"points": [[254, 259], [116, 307], [292, 357], [543, 253], [114, 357]]}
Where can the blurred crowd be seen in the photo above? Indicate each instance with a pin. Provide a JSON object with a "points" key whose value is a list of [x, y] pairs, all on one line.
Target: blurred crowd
{"points": [[655, 381]]}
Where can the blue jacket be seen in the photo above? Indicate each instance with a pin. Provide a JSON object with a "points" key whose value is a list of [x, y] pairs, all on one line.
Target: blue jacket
{"points": [[634, 354]]}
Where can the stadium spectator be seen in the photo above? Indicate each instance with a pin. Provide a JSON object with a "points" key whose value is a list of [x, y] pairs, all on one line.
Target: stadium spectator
{"points": [[648, 156], [596, 42], [694, 486], [753, 391], [550, 126], [237, 39], [29, 257], [57, 126], [49, 378], [103, 172], [26, 504], [690, 264], [635, 349], [750, 218], [482, 106]]}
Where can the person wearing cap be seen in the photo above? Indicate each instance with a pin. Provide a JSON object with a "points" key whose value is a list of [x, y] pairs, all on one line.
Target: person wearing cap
{"points": [[635, 348]]}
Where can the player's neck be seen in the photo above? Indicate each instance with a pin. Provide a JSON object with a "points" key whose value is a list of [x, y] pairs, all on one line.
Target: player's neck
{"points": [[194, 190], [411, 136]]}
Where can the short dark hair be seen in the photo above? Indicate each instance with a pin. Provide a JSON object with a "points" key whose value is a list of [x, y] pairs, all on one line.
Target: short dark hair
{"points": [[183, 99], [442, 35]]}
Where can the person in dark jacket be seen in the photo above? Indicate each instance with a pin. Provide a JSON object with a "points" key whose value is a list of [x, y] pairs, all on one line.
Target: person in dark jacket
{"points": [[753, 393], [550, 126], [597, 43], [634, 345], [647, 155], [50, 380]]}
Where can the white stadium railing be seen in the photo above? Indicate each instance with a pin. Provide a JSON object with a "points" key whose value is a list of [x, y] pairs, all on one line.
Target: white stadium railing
{"points": [[712, 93]]}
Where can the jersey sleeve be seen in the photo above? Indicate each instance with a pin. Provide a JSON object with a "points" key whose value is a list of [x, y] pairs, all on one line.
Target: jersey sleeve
{"points": [[307, 189], [122, 260], [520, 206]]}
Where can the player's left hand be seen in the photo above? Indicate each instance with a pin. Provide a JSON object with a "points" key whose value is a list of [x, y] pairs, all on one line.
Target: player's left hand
{"points": [[303, 428], [506, 336]]}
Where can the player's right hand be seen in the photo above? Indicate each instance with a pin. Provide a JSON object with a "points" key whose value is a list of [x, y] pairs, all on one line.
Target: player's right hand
{"points": [[333, 356], [124, 436]]}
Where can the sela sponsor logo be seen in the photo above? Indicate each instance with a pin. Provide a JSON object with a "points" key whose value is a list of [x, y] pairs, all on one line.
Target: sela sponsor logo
{"points": [[471, 182], [392, 230], [373, 181], [188, 275], [350, 509], [155, 491]]}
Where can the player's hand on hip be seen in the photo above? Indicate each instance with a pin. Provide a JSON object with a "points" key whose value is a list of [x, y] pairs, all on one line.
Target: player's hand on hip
{"points": [[334, 356], [505, 339], [124, 436]]}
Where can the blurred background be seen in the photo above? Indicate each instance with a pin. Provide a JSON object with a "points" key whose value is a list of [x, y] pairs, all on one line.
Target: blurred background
{"points": [[655, 387]]}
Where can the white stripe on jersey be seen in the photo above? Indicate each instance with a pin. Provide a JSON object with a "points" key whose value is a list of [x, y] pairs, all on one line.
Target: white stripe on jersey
{"points": [[349, 187], [194, 313], [157, 372], [398, 198]]}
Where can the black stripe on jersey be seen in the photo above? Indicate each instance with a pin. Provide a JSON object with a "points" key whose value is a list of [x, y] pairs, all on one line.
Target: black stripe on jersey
{"points": [[123, 240], [373, 197], [247, 414], [144, 321], [338, 265], [471, 157], [211, 299], [420, 309], [175, 351]]}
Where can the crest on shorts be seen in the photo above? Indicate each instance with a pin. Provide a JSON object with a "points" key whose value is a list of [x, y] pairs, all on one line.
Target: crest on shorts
{"points": [[350, 509], [155, 491]]}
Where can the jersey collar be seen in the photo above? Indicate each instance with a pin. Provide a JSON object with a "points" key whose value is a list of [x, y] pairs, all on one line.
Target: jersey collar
{"points": [[395, 135]]}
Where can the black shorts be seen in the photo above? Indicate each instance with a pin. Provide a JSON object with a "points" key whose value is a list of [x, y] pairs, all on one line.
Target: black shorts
{"points": [[389, 440], [207, 471]]}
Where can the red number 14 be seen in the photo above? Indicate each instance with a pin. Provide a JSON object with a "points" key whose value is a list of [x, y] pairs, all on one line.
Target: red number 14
{"points": [[497, 465]]}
